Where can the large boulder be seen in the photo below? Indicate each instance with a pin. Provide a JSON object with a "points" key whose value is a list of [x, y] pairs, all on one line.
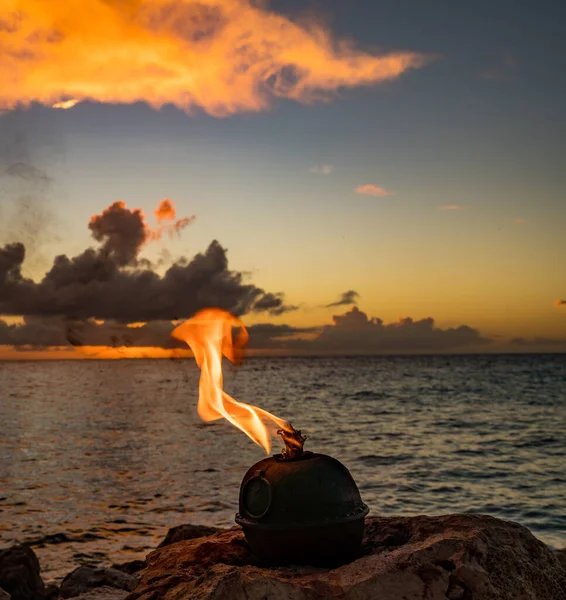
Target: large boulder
{"points": [[85, 579], [19, 574], [186, 532], [453, 557]]}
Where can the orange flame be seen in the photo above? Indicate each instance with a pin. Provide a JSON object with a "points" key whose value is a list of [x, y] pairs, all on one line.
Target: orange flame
{"points": [[209, 335], [223, 56]]}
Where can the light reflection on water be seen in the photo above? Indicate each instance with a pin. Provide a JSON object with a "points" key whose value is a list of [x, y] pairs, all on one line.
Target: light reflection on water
{"points": [[111, 454]]}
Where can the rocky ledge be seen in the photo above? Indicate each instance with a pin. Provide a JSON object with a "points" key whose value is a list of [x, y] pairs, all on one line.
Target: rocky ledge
{"points": [[453, 557]]}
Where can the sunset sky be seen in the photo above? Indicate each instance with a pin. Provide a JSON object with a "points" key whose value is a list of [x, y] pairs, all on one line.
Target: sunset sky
{"points": [[410, 152]]}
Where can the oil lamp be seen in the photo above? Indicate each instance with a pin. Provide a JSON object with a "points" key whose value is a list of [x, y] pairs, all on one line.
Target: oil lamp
{"points": [[301, 507], [295, 507]]}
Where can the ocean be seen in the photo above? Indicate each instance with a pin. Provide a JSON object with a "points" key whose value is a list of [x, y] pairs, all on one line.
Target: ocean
{"points": [[99, 458]]}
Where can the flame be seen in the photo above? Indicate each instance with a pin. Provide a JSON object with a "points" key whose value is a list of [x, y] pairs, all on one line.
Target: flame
{"points": [[222, 56], [209, 335]]}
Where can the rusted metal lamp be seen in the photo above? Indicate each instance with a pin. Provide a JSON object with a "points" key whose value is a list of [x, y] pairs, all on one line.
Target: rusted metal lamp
{"points": [[301, 507]]}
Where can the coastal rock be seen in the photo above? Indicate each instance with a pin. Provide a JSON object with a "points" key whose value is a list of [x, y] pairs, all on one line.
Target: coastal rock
{"points": [[51, 592], [103, 593], [19, 574], [452, 557], [186, 532], [561, 556], [85, 579], [131, 567]]}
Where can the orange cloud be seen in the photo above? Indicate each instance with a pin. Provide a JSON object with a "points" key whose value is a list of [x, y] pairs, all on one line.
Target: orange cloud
{"points": [[222, 56], [519, 220], [165, 211], [372, 190], [451, 207], [65, 104]]}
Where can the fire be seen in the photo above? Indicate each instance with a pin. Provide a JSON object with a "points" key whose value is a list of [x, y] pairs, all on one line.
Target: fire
{"points": [[209, 335]]}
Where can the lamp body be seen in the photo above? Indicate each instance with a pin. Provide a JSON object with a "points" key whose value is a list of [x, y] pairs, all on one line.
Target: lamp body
{"points": [[306, 510]]}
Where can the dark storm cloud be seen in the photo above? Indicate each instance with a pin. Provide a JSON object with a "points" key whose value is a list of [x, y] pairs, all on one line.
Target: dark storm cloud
{"points": [[111, 282], [32, 334], [93, 285], [122, 232], [58, 331], [347, 298], [110, 333], [11, 281], [273, 304]]}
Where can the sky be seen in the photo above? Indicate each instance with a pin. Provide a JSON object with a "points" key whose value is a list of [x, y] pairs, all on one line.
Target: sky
{"points": [[409, 153]]}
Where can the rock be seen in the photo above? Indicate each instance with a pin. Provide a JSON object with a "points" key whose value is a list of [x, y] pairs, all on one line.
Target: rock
{"points": [[452, 557], [85, 579], [561, 556], [132, 567], [19, 574], [103, 593], [186, 532], [4, 595], [51, 592]]}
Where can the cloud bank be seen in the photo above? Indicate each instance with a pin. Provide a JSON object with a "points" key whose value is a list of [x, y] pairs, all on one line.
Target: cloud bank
{"points": [[355, 332], [221, 56], [112, 282], [350, 333]]}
